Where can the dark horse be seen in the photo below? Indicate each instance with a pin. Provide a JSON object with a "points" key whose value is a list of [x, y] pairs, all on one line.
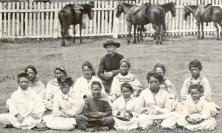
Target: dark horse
{"points": [[143, 15], [72, 14], [206, 14], [167, 7]]}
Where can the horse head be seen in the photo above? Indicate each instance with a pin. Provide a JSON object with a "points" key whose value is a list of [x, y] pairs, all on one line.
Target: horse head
{"points": [[173, 9], [188, 9], [87, 9], [119, 10]]}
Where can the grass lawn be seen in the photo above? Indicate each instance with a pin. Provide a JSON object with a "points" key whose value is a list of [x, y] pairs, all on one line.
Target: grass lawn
{"points": [[174, 53]]}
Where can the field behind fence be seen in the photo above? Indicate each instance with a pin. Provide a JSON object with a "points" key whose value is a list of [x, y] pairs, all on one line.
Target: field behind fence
{"points": [[40, 20]]}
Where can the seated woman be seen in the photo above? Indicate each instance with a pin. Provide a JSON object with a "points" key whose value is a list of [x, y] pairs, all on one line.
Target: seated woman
{"points": [[152, 101], [124, 109], [196, 111], [167, 85], [122, 77], [52, 87], [195, 68], [67, 105], [83, 84], [25, 106], [36, 85], [97, 113]]}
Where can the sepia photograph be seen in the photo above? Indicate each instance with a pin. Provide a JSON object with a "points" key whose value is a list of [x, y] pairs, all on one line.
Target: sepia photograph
{"points": [[110, 66]]}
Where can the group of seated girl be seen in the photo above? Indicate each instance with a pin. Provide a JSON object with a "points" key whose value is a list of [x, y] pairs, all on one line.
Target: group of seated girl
{"points": [[65, 105]]}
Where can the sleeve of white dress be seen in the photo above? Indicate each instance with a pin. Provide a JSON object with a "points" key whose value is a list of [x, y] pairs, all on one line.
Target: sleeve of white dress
{"points": [[139, 106], [206, 110], [77, 107], [56, 108], [114, 106], [48, 93], [207, 89], [12, 107], [43, 91], [172, 88], [137, 85], [115, 87], [39, 106], [184, 90]]}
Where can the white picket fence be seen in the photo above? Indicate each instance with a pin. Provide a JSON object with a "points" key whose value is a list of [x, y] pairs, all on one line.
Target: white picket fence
{"points": [[40, 20]]}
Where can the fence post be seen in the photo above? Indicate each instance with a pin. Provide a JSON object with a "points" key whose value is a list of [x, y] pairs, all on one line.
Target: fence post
{"points": [[0, 20], [55, 29], [115, 22]]}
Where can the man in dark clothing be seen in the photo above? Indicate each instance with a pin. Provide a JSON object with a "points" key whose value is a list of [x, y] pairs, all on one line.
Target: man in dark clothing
{"points": [[109, 64], [97, 113]]}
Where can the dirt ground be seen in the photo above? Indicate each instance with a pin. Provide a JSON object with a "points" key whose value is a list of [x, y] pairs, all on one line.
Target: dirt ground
{"points": [[175, 53]]}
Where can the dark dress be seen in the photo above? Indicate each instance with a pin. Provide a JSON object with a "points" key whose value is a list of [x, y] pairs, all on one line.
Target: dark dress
{"points": [[91, 116], [109, 63]]}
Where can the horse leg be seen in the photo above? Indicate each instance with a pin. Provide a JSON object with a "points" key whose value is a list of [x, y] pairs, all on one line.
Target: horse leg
{"points": [[217, 29], [129, 27], [63, 36], [220, 29], [198, 32], [202, 29], [80, 32], [157, 35], [74, 34], [141, 32], [135, 34], [138, 33], [155, 32]]}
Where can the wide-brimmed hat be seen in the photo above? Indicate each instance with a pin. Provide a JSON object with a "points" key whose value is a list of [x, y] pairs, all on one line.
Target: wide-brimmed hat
{"points": [[111, 42]]}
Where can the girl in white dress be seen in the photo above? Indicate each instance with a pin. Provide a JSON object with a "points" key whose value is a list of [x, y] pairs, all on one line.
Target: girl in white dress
{"points": [[196, 113], [83, 83], [52, 87], [67, 105], [122, 77], [124, 110], [35, 84], [25, 106]]}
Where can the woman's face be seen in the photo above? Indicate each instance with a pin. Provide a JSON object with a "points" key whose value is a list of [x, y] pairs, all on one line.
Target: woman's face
{"points": [[160, 71], [110, 49], [31, 74], [154, 84], [23, 83], [195, 72], [195, 94], [124, 68], [126, 92], [59, 74], [65, 88], [87, 72]]}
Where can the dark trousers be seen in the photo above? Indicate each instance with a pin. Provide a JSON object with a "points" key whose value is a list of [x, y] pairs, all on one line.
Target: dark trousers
{"points": [[83, 122]]}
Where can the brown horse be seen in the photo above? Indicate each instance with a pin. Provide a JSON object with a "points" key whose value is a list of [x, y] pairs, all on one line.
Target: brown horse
{"points": [[168, 7], [143, 15], [72, 14], [206, 14]]}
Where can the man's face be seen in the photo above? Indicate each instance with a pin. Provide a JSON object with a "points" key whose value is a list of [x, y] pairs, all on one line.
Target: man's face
{"points": [[154, 84], [96, 91], [195, 72], [65, 88], [23, 83], [124, 67], [31, 74], [110, 49]]}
